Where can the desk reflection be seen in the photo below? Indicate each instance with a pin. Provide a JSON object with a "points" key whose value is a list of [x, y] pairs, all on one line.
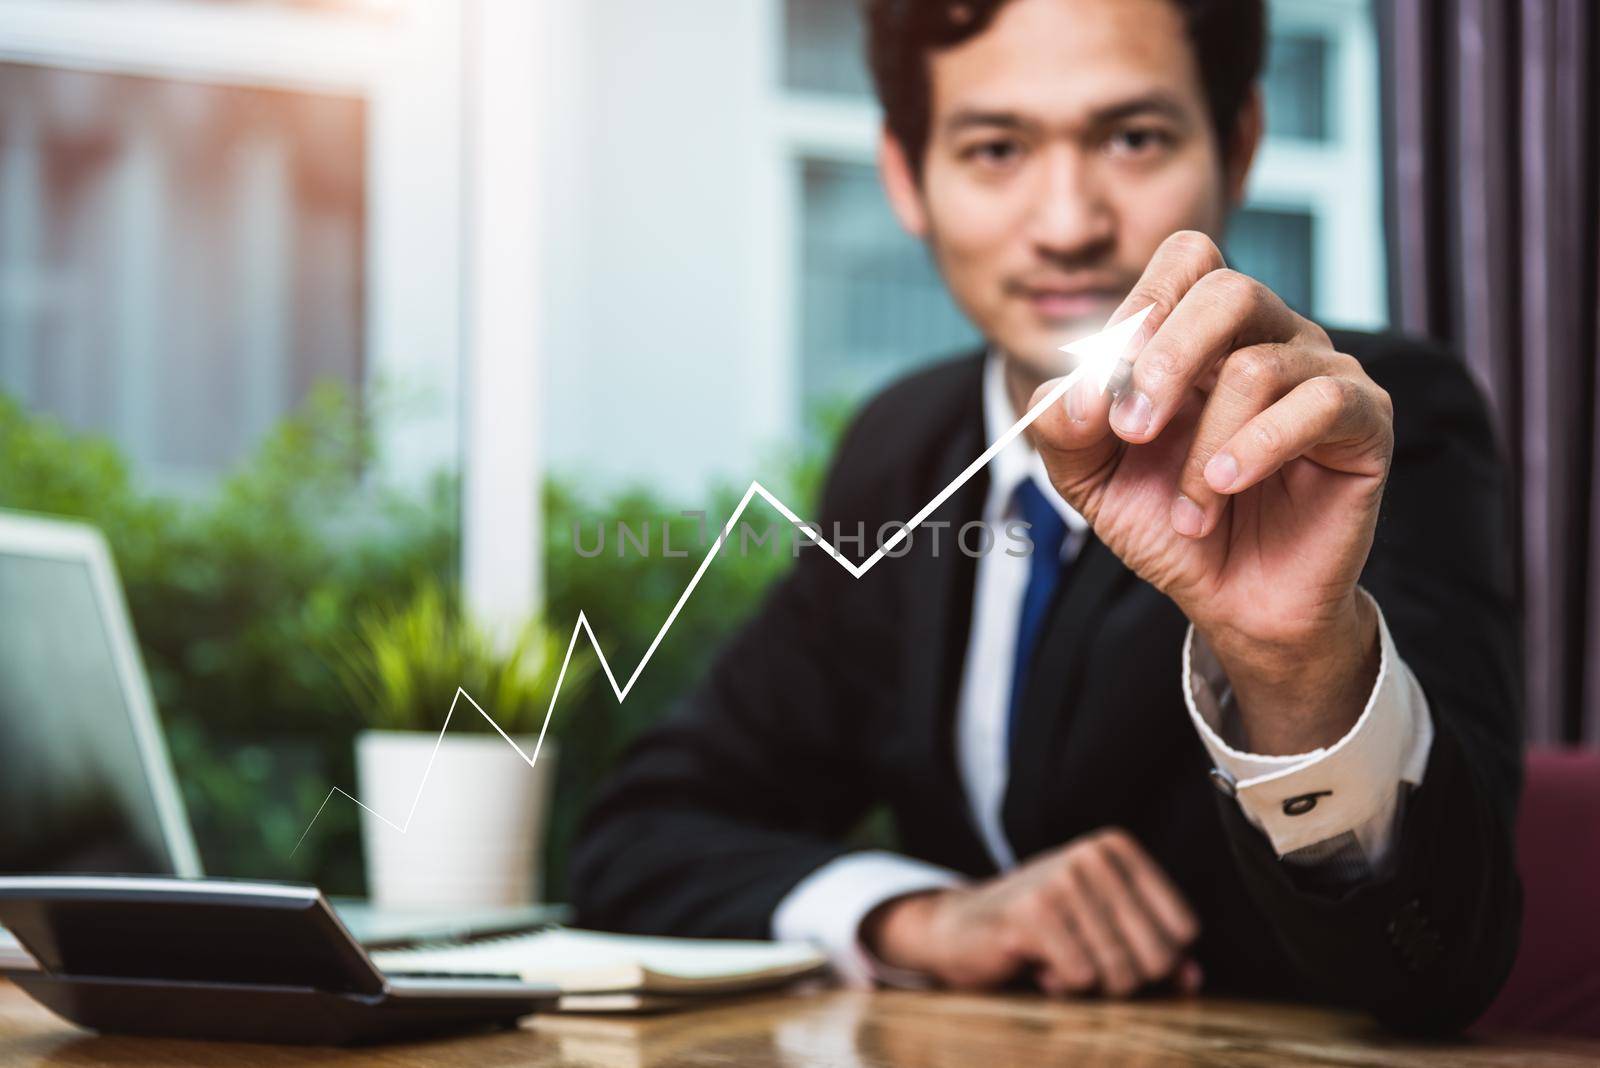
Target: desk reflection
{"points": [[919, 1029], [845, 1029]]}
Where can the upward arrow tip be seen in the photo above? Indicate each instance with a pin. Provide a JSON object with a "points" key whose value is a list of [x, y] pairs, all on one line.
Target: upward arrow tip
{"points": [[1100, 352]]}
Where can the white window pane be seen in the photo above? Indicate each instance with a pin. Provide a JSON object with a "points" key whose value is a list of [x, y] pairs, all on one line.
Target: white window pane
{"points": [[871, 303], [1296, 86], [179, 263], [823, 42]]}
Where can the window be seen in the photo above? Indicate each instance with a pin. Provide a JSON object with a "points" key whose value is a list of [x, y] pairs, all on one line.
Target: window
{"points": [[869, 294], [1312, 224], [1277, 244], [181, 262], [870, 307], [222, 203], [823, 42], [1296, 86]]}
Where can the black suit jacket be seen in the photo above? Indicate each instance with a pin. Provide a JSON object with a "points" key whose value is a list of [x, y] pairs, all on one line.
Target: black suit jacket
{"points": [[840, 694]]}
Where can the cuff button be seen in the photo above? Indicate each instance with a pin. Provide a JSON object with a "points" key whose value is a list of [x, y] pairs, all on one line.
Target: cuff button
{"points": [[1299, 806], [1223, 782]]}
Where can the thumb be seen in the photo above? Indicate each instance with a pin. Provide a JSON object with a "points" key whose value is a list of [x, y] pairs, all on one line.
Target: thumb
{"points": [[1073, 436]]}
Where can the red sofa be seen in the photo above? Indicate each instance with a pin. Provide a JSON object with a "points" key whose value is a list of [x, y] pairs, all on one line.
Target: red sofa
{"points": [[1554, 986]]}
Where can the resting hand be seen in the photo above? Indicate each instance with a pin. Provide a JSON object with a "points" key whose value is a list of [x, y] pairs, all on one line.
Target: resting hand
{"points": [[1095, 915]]}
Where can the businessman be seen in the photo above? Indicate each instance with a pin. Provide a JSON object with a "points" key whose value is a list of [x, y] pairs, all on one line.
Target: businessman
{"points": [[1245, 719]]}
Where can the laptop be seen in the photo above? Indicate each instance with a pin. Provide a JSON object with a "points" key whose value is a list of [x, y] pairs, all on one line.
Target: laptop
{"points": [[113, 927], [86, 784]]}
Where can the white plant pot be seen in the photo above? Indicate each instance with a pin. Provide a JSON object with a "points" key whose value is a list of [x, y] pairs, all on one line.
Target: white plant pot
{"points": [[475, 835]]}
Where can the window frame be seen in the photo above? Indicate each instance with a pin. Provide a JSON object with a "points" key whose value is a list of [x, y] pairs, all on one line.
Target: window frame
{"points": [[448, 319], [1337, 181]]}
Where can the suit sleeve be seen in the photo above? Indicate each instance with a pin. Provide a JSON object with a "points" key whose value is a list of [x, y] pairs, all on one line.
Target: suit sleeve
{"points": [[752, 782], [1427, 944]]}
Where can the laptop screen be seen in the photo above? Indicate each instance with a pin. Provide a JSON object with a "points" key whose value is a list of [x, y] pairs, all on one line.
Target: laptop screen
{"points": [[75, 794]]}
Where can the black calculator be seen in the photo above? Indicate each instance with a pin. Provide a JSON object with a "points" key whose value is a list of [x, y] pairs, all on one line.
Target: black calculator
{"points": [[230, 960]]}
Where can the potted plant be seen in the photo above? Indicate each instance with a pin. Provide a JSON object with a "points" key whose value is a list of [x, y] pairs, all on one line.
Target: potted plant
{"points": [[453, 817]]}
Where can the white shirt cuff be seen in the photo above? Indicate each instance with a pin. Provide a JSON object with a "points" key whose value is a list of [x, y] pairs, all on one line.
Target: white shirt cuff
{"points": [[1350, 787], [827, 907]]}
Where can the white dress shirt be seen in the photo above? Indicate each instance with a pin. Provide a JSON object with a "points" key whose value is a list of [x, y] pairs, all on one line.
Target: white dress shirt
{"points": [[1364, 770]]}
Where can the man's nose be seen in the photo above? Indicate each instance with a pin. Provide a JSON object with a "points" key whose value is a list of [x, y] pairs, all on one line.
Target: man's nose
{"points": [[1071, 217]]}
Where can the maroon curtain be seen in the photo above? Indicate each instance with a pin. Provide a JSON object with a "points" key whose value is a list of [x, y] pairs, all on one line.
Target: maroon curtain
{"points": [[1493, 169]]}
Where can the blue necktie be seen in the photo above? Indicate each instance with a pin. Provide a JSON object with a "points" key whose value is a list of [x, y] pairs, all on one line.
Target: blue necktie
{"points": [[1047, 530]]}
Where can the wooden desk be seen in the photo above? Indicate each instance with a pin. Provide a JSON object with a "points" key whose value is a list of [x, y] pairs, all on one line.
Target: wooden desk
{"points": [[844, 1029]]}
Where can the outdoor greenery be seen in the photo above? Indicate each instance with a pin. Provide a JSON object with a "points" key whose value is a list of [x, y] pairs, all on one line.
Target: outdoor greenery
{"points": [[248, 605], [402, 666]]}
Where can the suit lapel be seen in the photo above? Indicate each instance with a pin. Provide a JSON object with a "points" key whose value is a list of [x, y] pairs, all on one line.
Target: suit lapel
{"points": [[938, 599]]}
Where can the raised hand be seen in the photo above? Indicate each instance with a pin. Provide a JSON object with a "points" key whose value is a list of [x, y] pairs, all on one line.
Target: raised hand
{"points": [[1240, 472]]}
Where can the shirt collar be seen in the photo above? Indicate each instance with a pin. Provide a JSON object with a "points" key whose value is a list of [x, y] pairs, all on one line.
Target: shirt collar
{"points": [[1017, 460]]}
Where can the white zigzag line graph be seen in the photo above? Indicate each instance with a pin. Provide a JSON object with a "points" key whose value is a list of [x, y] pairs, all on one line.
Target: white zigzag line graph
{"points": [[1099, 352]]}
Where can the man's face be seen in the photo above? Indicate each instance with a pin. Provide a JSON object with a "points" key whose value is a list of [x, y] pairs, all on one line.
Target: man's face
{"points": [[1066, 142]]}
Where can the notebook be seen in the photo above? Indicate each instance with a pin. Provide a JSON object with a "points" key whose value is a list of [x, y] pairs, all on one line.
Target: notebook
{"points": [[12, 955], [610, 972]]}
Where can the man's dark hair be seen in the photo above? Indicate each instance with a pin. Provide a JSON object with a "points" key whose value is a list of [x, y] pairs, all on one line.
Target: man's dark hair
{"points": [[1229, 39]]}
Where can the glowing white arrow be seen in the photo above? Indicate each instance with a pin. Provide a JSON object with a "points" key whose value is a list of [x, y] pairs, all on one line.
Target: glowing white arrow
{"points": [[1104, 355]]}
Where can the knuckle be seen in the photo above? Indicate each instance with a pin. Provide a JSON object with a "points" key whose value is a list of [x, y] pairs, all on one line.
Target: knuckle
{"points": [[1329, 390], [1158, 291], [1252, 370], [1035, 909], [1096, 864], [1266, 436], [1083, 841], [1313, 333], [1194, 245], [1015, 941], [1347, 366], [1234, 289], [1384, 402], [1073, 865], [1159, 361], [1064, 880]]}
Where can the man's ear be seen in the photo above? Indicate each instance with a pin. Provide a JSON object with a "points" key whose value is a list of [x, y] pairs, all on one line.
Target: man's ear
{"points": [[905, 195], [1241, 150]]}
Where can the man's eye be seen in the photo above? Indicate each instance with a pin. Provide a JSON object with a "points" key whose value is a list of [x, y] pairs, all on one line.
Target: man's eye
{"points": [[1138, 141], [997, 153]]}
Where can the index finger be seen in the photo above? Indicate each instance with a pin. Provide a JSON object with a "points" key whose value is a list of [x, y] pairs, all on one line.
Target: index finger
{"points": [[1179, 263], [1183, 259]]}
